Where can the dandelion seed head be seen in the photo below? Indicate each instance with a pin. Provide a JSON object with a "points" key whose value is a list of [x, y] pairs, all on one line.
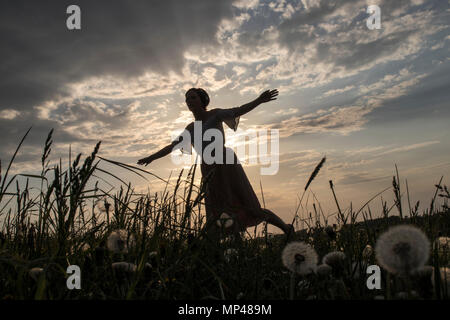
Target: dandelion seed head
{"points": [[225, 221], [334, 259], [119, 242], [402, 249], [299, 257]]}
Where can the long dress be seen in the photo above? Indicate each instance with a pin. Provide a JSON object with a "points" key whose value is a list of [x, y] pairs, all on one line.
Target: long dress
{"points": [[228, 189]]}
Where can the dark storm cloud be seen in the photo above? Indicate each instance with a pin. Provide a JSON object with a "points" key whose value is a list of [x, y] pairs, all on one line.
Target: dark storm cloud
{"points": [[39, 55], [12, 131]]}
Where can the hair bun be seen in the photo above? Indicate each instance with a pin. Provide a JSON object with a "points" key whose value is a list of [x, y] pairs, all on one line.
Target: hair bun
{"points": [[204, 97]]}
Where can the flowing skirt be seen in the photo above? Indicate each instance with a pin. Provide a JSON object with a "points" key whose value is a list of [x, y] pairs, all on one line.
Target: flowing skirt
{"points": [[229, 191]]}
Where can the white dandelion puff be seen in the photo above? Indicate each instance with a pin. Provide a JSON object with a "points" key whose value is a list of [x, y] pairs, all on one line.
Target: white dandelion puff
{"points": [[334, 259], [402, 249], [35, 273], [299, 257], [124, 266], [119, 242], [225, 221]]}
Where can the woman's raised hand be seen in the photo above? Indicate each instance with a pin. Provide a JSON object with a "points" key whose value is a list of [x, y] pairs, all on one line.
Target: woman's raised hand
{"points": [[145, 160], [268, 95]]}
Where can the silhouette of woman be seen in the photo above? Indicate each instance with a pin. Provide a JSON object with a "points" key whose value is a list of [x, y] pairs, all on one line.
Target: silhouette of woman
{"points": [[228, 189]]}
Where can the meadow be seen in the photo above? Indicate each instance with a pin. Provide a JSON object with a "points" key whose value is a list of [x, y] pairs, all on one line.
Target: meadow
{"points": [[141, 246]]}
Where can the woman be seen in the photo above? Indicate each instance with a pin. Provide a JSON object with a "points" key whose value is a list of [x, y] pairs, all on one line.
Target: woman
{"points": [[228, 189]]}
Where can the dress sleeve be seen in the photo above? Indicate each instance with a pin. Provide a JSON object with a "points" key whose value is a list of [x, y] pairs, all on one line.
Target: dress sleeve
{"points": [[183, 141], [229, 117]]}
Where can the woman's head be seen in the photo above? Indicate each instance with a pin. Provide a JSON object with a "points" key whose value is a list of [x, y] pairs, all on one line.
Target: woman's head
{"points": [[197, 97]]}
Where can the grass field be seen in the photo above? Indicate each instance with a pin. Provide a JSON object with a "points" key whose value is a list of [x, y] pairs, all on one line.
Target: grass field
{"points": [[142, 246]]}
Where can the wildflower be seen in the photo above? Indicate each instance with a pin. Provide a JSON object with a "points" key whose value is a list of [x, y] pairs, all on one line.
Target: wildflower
{"points": [[229, 254], [299, 257], [118, 241], [367, 252], [124, 266], [402, 249], [323, 270], [35, 273], [225, 221]]}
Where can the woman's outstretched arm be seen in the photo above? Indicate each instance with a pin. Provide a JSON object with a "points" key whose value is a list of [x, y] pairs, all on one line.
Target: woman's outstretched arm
{"points": [[161, 153], [169, 148], [266, 96]]}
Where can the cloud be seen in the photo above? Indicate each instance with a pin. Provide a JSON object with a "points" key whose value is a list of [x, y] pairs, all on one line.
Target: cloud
{"points": [[338, 91], [285, 112], [409, 148], [40, 57], [360, 177], [342, 120], [78, 82], [9, 114]]}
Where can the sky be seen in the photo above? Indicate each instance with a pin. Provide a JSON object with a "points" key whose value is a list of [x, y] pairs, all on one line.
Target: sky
{"points": [[367, 99]]}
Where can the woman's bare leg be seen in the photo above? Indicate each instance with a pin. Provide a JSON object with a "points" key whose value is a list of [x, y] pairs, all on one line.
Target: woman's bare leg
{"points": [[275, 220]]}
